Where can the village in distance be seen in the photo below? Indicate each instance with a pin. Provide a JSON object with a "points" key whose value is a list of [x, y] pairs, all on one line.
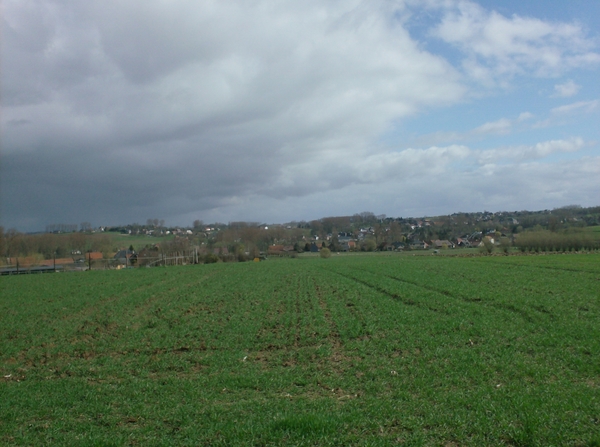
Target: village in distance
{"points": [[83, 246]]}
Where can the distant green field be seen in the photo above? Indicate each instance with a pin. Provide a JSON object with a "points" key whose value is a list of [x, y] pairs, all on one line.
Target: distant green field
{"points": [[595, 229], [138, 241], [351, 350]]}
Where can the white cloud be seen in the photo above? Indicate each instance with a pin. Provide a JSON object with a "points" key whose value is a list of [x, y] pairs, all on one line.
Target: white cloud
{"points": [[577, 107], [525, 116], [525, 153], [538, 184], [409, 163], [500, 127], [498, 47], [566, 90]]}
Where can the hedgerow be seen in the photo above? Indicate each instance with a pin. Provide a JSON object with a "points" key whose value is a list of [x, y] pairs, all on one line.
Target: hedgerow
{"points": [[547, 241]]}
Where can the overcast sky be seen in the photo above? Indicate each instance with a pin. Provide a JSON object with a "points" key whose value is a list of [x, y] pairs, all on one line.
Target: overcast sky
{"points": [[117, 111]]}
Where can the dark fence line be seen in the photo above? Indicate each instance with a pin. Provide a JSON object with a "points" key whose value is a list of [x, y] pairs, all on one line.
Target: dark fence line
{"points": [[84, 264], [26, 270]]}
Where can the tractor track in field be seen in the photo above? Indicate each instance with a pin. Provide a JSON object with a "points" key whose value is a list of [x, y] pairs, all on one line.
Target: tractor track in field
{"points": [[500, 306], [394, 296], [297, 327], [338, 357], [546, 267], [334, 335], [466, 299]]}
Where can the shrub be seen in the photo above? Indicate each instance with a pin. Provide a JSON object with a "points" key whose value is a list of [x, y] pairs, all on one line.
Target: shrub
{"points": [[487, 246], [211, 258], [368, 245], [325, 253], [505, 244]]}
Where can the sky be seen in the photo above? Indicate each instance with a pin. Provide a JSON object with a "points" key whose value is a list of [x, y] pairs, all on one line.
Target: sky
{"points": [[275, 111]]}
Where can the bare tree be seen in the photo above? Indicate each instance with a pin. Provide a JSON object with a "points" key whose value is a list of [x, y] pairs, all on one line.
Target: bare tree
{"points": [[380, 233], [2, 243], [395, 233]]}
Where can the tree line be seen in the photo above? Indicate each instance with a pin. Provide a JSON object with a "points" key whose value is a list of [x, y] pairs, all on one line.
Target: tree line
{"points": [[48, 245], [548, 241]]}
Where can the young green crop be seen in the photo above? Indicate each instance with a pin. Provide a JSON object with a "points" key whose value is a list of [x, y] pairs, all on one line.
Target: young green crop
{"points": [[351, 350]]}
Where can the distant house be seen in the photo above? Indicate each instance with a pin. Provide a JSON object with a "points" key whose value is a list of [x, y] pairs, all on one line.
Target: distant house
{"points": [[125, 256], [419, 245], [437, 244], [94, 255], [275, 250], [486, 238], [460, 242], [397, 246], [475, 237]]}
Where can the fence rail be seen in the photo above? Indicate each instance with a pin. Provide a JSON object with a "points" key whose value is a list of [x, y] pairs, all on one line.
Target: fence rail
{"points": [[101, 264]]}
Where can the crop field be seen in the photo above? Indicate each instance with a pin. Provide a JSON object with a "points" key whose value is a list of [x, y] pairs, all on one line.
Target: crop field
{"points": [[352, 350]]}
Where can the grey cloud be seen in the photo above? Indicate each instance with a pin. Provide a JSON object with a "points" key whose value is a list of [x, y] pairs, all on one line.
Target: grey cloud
{"points": [[116, 111], [205, 101], [537, 185]]}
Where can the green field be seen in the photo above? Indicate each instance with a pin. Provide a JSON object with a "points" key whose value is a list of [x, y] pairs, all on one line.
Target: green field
{"points": [[595, 229], [351, 350], [138, 241]]}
